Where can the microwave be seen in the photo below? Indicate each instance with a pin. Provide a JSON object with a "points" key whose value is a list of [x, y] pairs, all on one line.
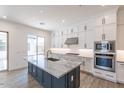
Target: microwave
{"points": [[104, 46]]}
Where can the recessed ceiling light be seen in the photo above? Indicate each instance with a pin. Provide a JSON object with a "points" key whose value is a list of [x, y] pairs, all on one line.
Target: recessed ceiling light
{"points": [[63, 21], [41, 11], [42, 23], [5, 17]]}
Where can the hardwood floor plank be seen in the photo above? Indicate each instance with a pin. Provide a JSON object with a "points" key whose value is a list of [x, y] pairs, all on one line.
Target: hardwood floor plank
{"points": [[21, 79]]}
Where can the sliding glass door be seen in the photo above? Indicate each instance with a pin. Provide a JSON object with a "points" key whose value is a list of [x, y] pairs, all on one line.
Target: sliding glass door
{"points": [[35, 45], [3, 51]]}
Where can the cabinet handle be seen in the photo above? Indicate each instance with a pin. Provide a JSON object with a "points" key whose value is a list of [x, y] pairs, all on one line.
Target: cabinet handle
{"points": [[122, 64], [33, 70], [109, 75], [85, 45], [85, 28], [103, 21], [103, 36], [72, 78]]}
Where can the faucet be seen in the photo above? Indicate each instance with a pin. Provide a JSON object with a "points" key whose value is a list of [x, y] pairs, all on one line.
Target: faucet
{"points": [[49, 51]]}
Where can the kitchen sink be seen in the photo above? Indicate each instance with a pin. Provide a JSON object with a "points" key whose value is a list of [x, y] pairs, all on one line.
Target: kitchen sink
{"points": [[52, 59]]}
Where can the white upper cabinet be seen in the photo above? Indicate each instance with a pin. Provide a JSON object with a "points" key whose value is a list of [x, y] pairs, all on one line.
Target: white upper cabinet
{"points": [[90, 25], [109, 17], [82, 39], [81, 28], [99, 21], [103, 27], [110, 32], [90, 38], [98, 33], [106, 26]]}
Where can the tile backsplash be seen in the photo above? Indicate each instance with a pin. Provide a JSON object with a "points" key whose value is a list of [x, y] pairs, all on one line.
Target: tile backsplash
{"points": [[81, 52]]}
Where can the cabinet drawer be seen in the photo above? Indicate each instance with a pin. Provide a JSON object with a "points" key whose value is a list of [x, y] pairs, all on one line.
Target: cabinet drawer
{"points": [[111, 76], [120, 72], [98, 74]]}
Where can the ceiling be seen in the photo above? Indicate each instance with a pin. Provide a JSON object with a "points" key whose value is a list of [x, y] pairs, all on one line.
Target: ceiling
{"points": [[51, 17]]}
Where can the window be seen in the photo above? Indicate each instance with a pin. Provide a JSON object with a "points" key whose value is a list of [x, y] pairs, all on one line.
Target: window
{"points": [[35, 45]]}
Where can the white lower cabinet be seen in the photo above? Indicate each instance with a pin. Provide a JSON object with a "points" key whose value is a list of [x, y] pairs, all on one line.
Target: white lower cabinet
{"points": [[120, 72], [87, 65], [111, 76]]}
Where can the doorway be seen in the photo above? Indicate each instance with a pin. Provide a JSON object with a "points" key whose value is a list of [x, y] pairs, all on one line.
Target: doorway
{"points": [[3, 50]]}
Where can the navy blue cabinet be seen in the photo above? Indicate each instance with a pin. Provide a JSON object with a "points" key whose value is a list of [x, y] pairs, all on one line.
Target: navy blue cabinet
{"points": [[46, 79], [30, 68], [70, 80], [34, 71], [39, 75], [59, 82], [77, 84]]}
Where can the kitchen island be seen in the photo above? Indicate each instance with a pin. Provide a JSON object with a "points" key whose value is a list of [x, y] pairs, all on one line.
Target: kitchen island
{"points": [[54, 74]]}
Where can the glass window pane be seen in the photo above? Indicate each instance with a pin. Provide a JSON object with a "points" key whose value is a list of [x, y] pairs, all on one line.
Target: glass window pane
{"points": [[3, 51], [32, 43], [40, 45]]}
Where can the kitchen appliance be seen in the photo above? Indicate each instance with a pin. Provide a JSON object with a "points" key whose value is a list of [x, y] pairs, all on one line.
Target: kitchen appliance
{"points": [[104, 46], [71, 41], [105, 62], [104, 55]]}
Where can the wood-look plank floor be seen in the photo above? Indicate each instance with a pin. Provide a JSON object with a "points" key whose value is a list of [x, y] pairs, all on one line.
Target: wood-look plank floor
{"points": [[21, 79]]}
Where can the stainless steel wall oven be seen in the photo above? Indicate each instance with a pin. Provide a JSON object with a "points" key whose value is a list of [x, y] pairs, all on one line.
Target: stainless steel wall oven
{"points": [[105, 61], [104, 55]]}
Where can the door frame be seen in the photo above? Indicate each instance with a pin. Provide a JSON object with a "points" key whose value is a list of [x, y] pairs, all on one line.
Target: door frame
{"points": [[7, 69]]}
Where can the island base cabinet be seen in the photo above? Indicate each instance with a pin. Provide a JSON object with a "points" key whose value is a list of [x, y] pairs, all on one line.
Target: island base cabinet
{"points": [[78, 77], [39, 75], [73, 78], [30, 68], [46, 80], [59, 83], [69, 80]]}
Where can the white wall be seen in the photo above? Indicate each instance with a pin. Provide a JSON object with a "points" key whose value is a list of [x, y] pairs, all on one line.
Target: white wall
{"points": [[18, 42]]}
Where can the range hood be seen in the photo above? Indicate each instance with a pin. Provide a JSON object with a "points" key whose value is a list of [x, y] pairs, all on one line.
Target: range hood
{"points": [[71, 41]]}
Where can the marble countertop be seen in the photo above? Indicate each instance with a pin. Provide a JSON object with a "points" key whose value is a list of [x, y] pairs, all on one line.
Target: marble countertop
{"points": [[55, 68]]}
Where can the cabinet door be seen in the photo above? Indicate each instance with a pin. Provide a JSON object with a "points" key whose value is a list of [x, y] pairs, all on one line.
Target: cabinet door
{"points": [[46, 79], [34, 71], [110, 32], [71, 79], [110, 17], [39, 75], [98, 33], [90, 38], [99, 21], [120, 72], [82, 40], [120, 37], [88, 65], [78, 77], [29, 68], [59, 82], [90, 24]]}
